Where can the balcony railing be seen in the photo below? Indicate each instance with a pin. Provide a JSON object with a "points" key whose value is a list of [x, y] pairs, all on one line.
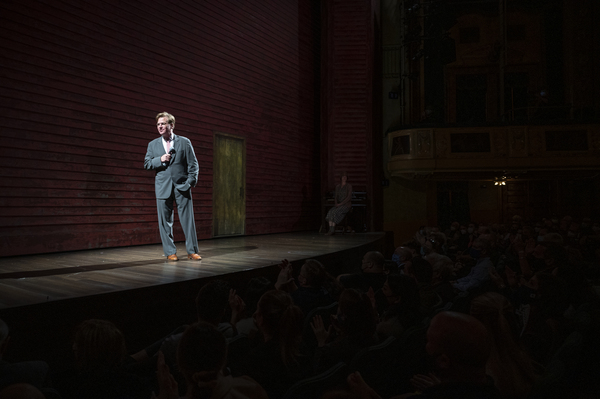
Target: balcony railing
{"points": [[487, 152]]}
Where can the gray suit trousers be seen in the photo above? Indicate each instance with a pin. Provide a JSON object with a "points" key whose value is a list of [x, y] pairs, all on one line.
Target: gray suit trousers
{"points": [[185, 209]]}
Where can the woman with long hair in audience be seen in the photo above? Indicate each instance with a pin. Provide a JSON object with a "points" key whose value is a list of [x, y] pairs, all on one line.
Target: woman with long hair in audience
{"points": [[275, 362], [201, 357]]}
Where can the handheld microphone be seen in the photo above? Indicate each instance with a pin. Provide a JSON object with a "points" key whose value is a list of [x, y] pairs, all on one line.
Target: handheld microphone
{"points": [[172, 154]]}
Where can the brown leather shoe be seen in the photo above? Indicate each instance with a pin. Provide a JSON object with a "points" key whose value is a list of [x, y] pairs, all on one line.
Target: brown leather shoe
{"points": [[194, 257], [173, 257]]}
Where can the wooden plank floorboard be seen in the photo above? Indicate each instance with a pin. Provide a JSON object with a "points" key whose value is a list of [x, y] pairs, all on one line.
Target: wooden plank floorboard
{"points": [[35, 279]]}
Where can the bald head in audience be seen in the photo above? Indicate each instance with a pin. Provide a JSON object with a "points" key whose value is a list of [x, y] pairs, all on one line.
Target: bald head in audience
{"points": [[373, 262], [460, 346]]}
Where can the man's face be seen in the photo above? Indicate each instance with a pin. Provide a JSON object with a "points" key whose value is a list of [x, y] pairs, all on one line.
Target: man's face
{"points": [[164, 127]]}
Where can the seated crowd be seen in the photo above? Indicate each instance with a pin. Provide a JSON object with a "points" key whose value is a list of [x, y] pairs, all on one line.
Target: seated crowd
{"points": [[476, 311]]}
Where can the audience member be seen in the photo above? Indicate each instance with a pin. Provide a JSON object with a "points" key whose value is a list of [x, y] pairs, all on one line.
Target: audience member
{"points": [[542, 302], [101, 365], [432, 248], [545, 324], [509, 365], [480, 273], [459, 346], [463, 239], [402, 308], [29, 372], [315, 288], [255, 288], [201, 358], [442, 274], [212, 303], [275, 362], [402, 257], [422, 272], [354, 326], [372, 273], [21, 391]]}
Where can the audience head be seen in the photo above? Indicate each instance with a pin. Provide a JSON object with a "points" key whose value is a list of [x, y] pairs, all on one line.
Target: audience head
{"points": [[391, 266], [528, 232], [442, 270], [565, 222], [413, 246], [552, 295], [435, 243], [548, 255], [373, 262], [212, 301], [421, 270], [21, 391], [460, 346], [98, 345], [496, 313], [278, 318], [313, 274], [484, 230], [201, 355], [402, 289], [553, 237], [356, 317], [472, 228], [510, 366], [480, 248], [255, 288], [402, 254]]}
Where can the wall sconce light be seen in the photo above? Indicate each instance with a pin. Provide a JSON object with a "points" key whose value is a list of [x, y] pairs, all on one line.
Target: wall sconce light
{"points": [[500, 181]]}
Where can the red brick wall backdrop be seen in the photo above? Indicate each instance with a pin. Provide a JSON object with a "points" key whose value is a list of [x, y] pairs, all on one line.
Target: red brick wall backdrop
{"points": [[81, 82]]}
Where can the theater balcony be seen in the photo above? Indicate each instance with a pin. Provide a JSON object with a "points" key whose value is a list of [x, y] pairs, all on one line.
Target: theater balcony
{"points": [[499, 153]]}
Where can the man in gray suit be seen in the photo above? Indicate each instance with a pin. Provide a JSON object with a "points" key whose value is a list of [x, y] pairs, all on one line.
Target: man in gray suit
{"points": [[174, 161]]}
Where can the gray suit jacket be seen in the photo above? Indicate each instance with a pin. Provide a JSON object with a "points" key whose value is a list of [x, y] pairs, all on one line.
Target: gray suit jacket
{"points": [[181, 171]]}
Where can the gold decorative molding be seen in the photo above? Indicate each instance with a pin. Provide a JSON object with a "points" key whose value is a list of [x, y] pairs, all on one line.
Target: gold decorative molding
{"points": [[518, 142], [449, 153], [424, 143]]}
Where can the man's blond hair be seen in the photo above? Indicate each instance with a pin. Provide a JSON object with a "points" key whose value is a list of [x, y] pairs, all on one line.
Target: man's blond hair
{"points": [[167, 115]]}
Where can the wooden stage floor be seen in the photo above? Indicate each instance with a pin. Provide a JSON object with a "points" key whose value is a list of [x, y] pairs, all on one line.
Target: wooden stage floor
{"points": [[39, 279]]}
